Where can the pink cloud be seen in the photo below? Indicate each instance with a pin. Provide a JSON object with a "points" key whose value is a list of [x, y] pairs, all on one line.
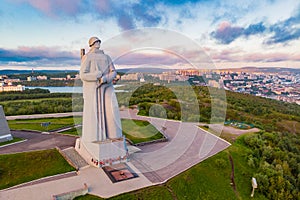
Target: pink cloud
{"points": [[226, 33], [236, 55], [141, 58], [223, 25], [42, 51], [53, 8], [103, 6]]}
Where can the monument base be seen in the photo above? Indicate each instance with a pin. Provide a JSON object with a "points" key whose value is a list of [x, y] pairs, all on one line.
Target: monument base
{"points": [[103, 153]]}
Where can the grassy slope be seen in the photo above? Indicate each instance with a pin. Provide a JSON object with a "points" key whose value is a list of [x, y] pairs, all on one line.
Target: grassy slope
{"points": [[23, 167], [205, 180], [210, 179], [140, 131]]}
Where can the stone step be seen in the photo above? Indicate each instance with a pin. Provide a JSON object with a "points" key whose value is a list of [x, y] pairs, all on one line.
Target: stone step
{"points": [[72, 155]]}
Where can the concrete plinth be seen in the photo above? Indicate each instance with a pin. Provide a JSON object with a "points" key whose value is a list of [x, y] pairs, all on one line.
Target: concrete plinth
{"points": [[5, 134], [103, 153]]}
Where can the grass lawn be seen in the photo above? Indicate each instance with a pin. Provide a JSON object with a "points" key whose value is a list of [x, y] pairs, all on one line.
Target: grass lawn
{"points": [[73, 131], [15, 139], [23, 167], [35, 100], [140, 131], [88, 197], [208, 180], [35, 124]]}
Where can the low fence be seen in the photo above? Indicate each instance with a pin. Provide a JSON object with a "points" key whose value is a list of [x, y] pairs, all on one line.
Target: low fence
{"points": [[72, 194]]}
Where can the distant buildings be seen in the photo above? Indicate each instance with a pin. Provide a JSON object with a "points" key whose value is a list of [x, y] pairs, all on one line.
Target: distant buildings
{"points": [[171, 76], [41, 77], [131, 77], [280, 86], [11, 88], [189, 72], [10, 80], [167, 77], [68, 77], [7, 86], [31, 78]]}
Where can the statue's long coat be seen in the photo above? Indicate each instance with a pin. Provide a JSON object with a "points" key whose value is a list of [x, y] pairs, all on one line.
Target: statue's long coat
{"points": [[101, 118]]}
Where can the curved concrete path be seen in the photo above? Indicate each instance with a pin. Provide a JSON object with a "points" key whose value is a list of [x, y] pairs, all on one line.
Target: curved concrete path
{"points": [[38, 141]]}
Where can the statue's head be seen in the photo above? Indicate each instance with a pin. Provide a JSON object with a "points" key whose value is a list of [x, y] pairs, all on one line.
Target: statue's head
{"points": [[94, 40]]}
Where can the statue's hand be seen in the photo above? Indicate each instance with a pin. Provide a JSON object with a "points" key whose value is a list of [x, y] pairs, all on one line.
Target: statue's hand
{"points": [[99, 79], [100, 82]]}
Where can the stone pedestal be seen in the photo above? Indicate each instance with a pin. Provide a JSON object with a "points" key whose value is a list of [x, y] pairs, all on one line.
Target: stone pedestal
{"points": [[103, 153], [5, 134]]}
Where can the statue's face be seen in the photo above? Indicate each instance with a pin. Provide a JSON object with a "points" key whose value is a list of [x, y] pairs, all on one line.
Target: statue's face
{"points": [[97, 44]]}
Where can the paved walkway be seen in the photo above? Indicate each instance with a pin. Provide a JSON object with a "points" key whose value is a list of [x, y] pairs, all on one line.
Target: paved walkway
{"points": [[98, 182], [155, 163], [51, 115], [38, 141], [187, 146]]}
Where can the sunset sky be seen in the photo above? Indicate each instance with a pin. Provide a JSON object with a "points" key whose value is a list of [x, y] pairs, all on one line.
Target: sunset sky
{"points": [[48, 34]]}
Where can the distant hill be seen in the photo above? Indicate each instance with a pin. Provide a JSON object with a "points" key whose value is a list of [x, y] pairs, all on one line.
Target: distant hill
{"points": [[126, 70], [263, 69], [14, 72], [156, 70], [244, 69], [144, 70]]}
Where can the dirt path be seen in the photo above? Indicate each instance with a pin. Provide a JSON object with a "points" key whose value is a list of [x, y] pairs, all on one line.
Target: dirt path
{"points": [[232, 177], [171, 191], [232, 130], [232, 173]]}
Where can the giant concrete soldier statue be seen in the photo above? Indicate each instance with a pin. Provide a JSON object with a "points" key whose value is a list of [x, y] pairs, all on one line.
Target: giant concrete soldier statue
{"points": [[101, 132], [100, 112]]}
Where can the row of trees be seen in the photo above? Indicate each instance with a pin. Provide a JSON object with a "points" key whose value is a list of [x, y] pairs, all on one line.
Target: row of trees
{"points": [[276, 158], [34, 95], [37, 107]]}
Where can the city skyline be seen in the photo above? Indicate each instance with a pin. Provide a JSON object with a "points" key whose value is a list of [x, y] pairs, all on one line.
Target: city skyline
{"points": [[49, 34]]}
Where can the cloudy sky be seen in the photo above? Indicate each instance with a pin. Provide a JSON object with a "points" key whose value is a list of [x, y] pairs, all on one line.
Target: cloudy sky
{"points": [[50, 33]]}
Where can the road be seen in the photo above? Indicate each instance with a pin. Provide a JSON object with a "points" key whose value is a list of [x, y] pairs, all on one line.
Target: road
{"points": [[38, 141], [51, 115]]}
